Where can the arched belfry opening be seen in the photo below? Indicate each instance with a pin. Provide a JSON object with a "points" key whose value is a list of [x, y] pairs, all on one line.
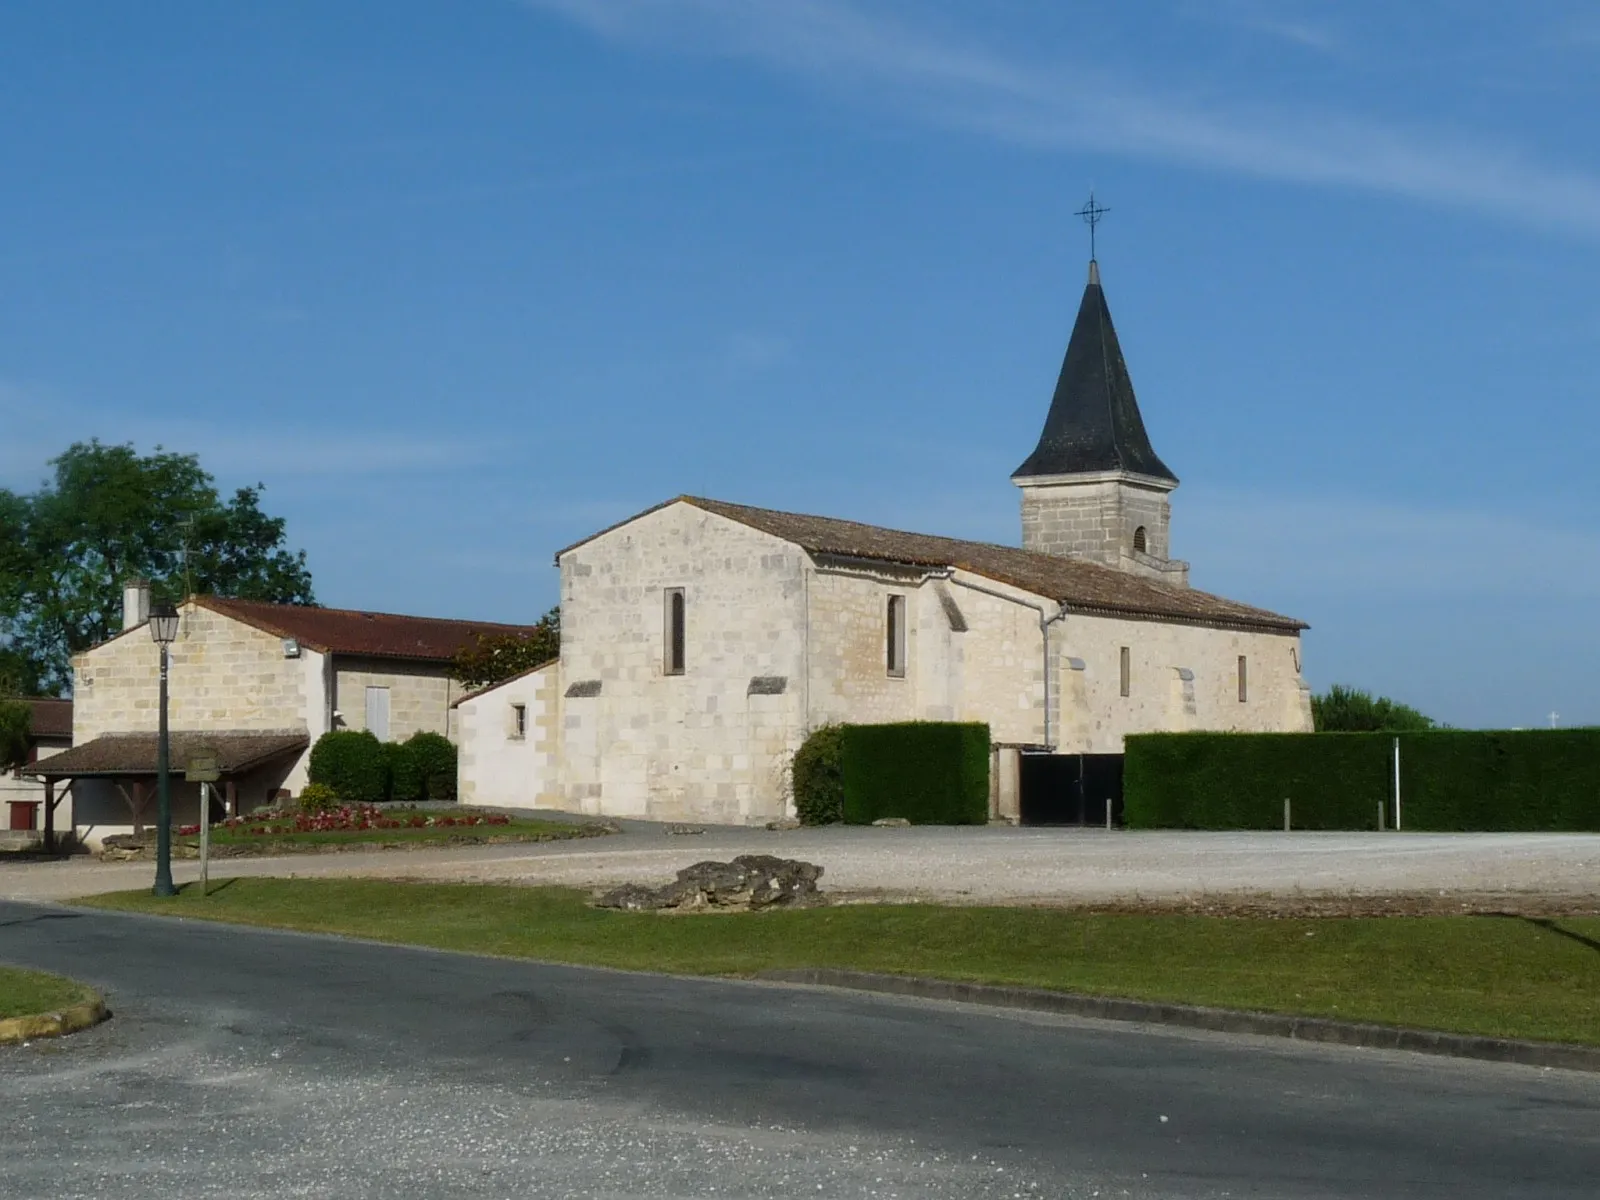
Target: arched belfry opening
{"points": [[1140, 541]]}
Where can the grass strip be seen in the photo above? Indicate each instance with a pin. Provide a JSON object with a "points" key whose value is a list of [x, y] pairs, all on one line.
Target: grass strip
{"points": [[1497, 976], [24, 993], [515, 831]]}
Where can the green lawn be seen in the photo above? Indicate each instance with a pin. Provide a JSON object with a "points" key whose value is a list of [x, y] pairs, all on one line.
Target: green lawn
{"points": [[1501, 976], [25, 993], [515, 831]]}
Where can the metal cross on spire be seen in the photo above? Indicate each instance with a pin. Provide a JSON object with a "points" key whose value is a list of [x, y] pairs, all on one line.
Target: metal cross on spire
{"points": [[1092, 215]]}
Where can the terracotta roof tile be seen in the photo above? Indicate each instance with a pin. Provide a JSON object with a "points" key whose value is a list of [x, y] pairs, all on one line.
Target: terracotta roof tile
{"points": [[347, 631], [50, 718], [135, 753], [1079, 585]]}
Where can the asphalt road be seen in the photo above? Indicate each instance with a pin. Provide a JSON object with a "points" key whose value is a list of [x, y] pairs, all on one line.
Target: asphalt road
{"points": [[250, 1064]]}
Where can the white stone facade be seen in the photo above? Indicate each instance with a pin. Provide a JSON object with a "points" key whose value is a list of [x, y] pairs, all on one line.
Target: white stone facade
{"points": [[706, 744], [222, 674], [779, 641], [420, 696], [1101, 517], [510, 741], [225, 674]]}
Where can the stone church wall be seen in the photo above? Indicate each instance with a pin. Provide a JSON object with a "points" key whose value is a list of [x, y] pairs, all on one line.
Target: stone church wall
{"points": [[706, 745], [1181, 677], [778, 643], [498, 766], [971, 655], [1095, 519]]}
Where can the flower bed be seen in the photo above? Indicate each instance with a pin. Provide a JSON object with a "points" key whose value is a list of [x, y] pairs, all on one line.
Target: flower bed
{"points": [[351, 818]]}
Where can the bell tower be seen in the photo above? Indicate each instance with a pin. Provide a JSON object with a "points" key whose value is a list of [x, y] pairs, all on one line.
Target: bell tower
{"points": [[1094, 487]]}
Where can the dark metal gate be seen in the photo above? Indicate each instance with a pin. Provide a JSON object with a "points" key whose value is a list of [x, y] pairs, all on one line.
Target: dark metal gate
{"points": [[1071, 789]]}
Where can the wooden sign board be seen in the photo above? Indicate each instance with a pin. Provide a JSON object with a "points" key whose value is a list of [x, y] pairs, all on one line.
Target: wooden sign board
{"points": [[202, 767]]}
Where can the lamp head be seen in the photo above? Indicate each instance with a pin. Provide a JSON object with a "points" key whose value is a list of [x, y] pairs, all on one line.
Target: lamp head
{"points": [[164, 624]]}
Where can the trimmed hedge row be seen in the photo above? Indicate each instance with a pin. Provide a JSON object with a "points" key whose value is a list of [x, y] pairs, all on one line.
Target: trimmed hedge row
{"points": [[362, 770], [1521, 781], [1450, 780], [928, 772]]}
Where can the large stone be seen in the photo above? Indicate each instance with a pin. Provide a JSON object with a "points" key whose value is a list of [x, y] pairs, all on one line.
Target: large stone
{"points": [[751, 881]]}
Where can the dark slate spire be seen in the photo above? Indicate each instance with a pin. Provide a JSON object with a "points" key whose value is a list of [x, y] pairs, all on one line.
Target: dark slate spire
{"points": [[1094, 422]]}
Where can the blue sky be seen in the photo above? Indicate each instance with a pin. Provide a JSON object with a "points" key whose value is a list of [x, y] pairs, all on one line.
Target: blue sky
{"points": [[463, 282]]}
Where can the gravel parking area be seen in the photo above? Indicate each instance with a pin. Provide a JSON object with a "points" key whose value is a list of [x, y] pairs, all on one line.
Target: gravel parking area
{"points": [[974, 865]]}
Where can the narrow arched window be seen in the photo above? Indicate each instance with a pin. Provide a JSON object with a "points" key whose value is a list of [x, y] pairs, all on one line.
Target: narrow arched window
{"points": [[676, 633], [1139, 541], [895, 628]]}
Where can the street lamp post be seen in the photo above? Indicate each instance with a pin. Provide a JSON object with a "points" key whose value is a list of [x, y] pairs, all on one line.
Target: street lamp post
{"points": [[164, 631]]}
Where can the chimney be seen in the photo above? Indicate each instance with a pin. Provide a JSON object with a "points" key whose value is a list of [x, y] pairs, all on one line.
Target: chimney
{"points": [[135, 603]]}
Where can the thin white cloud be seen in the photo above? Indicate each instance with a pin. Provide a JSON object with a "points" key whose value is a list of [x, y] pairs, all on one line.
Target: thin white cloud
{"points": [[1273, 19], [836, 45], [41, 425]]}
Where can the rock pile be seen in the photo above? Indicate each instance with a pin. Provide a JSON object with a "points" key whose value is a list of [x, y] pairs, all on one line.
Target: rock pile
{"points": [[752, 881]]}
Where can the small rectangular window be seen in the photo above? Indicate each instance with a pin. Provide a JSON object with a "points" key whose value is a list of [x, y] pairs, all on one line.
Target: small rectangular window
{"points": [[378, 713], [672, 661], [1126, 666], [519, 721], [1244, 680], [895, 630]]}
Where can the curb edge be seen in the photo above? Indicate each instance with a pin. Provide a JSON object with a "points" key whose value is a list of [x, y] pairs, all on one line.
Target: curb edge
{"points": [[54, 1024], [1217, 1020]]}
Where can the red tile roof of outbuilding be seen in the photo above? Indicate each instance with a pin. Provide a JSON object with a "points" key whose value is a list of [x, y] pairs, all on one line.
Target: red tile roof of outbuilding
{"points": [[347, 631], [51, 718]]}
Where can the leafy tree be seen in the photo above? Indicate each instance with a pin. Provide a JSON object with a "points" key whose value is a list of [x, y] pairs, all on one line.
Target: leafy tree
{"points": [[15, 717], [108, 514], [19, 673], [500, 656], [1344, 709]]}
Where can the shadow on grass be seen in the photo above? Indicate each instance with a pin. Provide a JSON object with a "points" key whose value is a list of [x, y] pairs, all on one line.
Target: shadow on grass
{"points": [[1549, 926], [221, 885], [1581, 939]]}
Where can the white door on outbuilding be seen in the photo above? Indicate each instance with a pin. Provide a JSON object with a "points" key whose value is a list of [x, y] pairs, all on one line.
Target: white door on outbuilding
{"points": [[378, 712]]}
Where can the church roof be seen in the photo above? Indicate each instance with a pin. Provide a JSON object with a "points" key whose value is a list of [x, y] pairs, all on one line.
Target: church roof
{"points": [[1094, 422], [1075, 583]]}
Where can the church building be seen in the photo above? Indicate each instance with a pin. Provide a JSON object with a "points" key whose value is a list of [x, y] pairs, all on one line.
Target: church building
{"points": [[701, 640]]}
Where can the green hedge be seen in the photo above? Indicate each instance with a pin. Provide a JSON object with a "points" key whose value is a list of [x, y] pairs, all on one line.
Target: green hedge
{"points": [[1517, 780], [353, 763], [1450, 780], [929, 772], [819, 777], [405, 775], [435, 757]]}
